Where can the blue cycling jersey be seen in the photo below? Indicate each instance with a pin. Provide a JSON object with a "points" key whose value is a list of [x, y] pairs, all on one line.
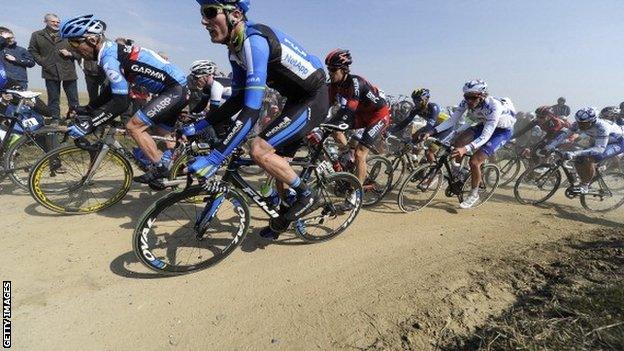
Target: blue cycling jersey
{"points": [[3, 76], [142, 67], [269, 57]]}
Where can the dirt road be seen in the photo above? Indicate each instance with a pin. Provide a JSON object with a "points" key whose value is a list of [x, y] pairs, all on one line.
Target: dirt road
{"points": [[77, 285]]}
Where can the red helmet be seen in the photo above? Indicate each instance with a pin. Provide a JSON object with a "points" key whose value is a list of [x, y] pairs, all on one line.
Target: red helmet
{"points": [[338, 58], [545, 111]]}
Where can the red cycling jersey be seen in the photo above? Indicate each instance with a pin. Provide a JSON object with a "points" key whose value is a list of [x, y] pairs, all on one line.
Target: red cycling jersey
{"points": [[361, 99]]}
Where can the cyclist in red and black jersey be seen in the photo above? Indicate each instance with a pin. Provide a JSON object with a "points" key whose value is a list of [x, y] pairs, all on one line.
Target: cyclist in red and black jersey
{"points": [[549, 123], [362, 105]]}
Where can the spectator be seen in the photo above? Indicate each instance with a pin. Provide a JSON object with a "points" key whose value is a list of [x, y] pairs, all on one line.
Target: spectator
{"points": [[16, 60], [94, 78], [561, 109], [57, 63]]}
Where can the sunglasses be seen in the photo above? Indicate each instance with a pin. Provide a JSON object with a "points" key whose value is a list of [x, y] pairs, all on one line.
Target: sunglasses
{"points": [[471, 97], [74, 43], [210, 12]]}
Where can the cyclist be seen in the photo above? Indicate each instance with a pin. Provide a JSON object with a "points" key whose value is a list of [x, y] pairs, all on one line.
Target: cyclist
{"points": [[496, 119], [362, 105], [261, 56], [432, 114], [124, 64], [612, 113], [205, 89], [549, 123], [608, 140]]}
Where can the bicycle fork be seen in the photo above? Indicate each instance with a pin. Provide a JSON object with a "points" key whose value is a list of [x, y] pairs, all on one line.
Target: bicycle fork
{"points": [[208, 214]]}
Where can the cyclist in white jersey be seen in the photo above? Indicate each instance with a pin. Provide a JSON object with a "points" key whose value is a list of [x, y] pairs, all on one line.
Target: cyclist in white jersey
{"points": [[496, 119], [608, 140]]}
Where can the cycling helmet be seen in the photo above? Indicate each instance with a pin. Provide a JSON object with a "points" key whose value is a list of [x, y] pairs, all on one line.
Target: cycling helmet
{"points": [[610, 112], [338, 58], [421, 94], [82, 26], [545, 111], [585, 115], [476, 86], [203, 67], [243, 5]]}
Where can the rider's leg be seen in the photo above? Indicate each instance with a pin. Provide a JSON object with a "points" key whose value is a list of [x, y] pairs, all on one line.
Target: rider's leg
{"points": [[361, 153], [264, 155], [138, 131], [475, 163], [463, 139]]}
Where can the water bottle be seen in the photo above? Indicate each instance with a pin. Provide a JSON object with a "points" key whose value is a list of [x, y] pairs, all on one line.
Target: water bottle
{"points": [[270, 195]]}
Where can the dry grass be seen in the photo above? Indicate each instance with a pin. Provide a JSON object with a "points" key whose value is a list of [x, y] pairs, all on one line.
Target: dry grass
{"points": [[580, 306]]}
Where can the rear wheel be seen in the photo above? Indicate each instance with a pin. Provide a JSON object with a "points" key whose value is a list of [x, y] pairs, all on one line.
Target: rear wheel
{"points": [[606, 193], [490, 179], [509, 169], [378, 180]]}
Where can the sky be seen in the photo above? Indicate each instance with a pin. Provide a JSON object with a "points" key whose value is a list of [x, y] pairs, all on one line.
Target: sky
{"points": [[531, 51]]}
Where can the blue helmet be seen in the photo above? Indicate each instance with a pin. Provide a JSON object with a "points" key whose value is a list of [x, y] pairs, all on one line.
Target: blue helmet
{"points": [[243, 5], [81, 26], [587, 114]]}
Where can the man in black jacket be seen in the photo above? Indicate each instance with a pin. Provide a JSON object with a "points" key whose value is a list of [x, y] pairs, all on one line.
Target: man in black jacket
{"points": [[57, 63], [16, 59]]}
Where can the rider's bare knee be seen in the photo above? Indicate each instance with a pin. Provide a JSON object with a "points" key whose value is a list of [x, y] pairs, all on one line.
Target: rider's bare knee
{"points": [[260, 150]]}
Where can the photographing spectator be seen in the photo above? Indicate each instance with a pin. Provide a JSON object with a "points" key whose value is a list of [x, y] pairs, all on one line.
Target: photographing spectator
{"points": [[15, 59], [561, 109], [57, 63]]}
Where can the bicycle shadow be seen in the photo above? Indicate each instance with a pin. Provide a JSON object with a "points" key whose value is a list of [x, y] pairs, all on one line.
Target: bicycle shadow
{"points": [[119, 266]]}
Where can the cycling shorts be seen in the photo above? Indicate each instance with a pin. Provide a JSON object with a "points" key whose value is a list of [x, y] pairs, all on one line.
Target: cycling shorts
{"points": [[499, 138], [163, 110]]}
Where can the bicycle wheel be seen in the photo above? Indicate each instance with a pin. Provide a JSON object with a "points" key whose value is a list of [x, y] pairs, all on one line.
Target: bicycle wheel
{"points": [[420, 188], [339, 199], [400, 168], [609, 193], [537, 184], [378, 180], [490, 179], [59, 180], [509, 169], [168, 240], [24, 153]]}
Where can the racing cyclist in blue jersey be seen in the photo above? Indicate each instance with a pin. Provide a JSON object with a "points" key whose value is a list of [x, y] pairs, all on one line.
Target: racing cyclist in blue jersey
{"points": [[496, 119], [125, 64], [262, 56], [608, 140]]}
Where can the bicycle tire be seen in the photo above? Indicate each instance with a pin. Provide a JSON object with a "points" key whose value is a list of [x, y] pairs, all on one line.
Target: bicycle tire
{"points": [[147, 245], [529, 176], [586, 200], [401, 169], [376, 188], [487, 186], [65, 196], [414, 181], [509, 170], [341, 185], [29, 147]]}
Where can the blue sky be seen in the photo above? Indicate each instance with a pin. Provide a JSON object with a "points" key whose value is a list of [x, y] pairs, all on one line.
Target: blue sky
{"points": [[531, 51]]}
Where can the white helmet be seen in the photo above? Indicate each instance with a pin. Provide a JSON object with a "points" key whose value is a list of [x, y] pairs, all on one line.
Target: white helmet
{"points": [[587, 114], [203, 67], [476, 86]]}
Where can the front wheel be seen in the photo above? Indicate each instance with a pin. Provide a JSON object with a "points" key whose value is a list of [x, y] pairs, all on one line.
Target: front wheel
{"points": [[338, 200], [490, 179], [180, 234], [537, 184], [60, 181], [509, 169], [606, 193], [420, 188]]}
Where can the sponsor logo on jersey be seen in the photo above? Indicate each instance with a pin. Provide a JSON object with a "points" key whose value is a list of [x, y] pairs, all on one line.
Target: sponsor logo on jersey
{"points": [[253, 80], [148, 72], [285, 123], [295, 47], [376, 129], [237, 127], [113, 75], [295, 63], [356, 87], [159, 107], [372, 97]]}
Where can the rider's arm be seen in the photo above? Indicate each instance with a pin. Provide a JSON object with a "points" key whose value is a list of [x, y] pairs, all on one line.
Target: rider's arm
{"points": [[348, 106], [488, 128], [524, 130], [114, 99], [561, 137], [450, 123], [216, 95], [434, 113], [600, 144]]}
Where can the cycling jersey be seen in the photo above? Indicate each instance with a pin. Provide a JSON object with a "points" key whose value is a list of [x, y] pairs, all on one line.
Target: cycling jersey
{"points": [[215, 95], [3, 76], [430, 113], [603, 133], [137, 65], [360, 102], [269, 57], [551, 126], [492, 113]]}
